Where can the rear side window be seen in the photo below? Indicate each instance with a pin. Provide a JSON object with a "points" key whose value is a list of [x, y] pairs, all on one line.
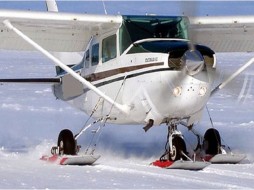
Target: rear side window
{"points": [[87, 59], [95, 54]]}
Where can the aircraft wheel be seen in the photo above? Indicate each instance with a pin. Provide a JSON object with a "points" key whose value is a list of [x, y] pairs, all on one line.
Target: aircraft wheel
{"points": [[178, 146], [212, 142], [66, 142]]}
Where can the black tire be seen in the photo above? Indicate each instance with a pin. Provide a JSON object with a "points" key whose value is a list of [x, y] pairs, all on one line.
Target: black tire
{"points": [[212, 142], [66, 142], [178, 146]]}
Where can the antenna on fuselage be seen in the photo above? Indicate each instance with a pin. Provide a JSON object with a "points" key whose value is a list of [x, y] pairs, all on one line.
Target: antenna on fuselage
{"points": [[104, 7]]}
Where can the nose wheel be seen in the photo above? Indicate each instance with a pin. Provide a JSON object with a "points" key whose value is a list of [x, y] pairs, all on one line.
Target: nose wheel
{"points": [[176, 156], [175, 148], [178, 151]]}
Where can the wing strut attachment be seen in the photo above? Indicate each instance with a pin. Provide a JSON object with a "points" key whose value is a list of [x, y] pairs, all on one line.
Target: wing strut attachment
{"points": [[123, 108], [234, 75]]}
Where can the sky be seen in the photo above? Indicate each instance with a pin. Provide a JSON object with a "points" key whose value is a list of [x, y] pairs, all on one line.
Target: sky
{"points": [[141, 7]]}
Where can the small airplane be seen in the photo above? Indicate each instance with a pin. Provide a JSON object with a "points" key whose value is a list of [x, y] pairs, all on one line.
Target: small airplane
{"points": [[147, 70]]}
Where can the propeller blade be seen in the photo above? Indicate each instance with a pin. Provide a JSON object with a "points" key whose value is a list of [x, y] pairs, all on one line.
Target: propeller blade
{"points": [[190, 9], [192, 58]]}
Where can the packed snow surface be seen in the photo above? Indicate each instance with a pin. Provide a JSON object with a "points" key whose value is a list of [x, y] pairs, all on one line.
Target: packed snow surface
{"points": [[31, 119]]}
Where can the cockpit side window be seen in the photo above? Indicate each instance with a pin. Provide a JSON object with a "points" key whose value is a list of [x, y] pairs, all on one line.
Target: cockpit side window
{"points": [[108, 48], [95, 54]]}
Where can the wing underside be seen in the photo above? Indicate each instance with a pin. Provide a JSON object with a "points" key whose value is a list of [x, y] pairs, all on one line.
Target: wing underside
{"points": [[224, 34], [59, 32], [64, 32]]}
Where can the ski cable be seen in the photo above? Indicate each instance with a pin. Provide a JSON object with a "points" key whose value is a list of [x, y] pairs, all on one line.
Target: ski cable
{"points": [[107, 117], [94, 133], [88, 126], [85, 125], [209, 116]]}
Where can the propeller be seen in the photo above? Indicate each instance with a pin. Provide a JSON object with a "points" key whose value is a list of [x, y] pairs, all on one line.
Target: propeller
{"points": [[194, 66], [189, 9], [192, 58], [193, 61]]}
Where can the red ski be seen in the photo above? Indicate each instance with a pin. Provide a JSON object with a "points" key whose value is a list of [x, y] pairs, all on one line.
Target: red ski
{"points": [[181, 164], [71, 159]]}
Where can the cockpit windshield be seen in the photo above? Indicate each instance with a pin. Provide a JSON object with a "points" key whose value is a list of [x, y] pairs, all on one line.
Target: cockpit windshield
{"points": [[136, 28]]}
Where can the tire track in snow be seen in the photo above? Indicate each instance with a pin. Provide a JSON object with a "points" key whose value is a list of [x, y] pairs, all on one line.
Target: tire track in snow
{"points": [[187, 179]]}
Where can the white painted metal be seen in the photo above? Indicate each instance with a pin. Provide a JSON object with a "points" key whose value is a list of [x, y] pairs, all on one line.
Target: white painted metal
{"points": [[62, 32]]}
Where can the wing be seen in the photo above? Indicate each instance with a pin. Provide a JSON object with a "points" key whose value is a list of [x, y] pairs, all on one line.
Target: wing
{"points": [[59, 32], [224, 34]]}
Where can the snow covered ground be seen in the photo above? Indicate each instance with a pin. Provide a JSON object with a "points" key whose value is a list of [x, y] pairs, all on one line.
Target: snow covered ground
{"points": [[31, 118]]}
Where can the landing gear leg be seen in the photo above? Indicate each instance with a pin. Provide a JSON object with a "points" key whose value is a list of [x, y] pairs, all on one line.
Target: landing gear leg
{"points": [[176, 156], [175, 148]]}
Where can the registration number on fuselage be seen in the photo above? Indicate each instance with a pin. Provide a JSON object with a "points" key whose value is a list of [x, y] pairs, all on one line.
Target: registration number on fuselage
{"points": [[151, 59]]}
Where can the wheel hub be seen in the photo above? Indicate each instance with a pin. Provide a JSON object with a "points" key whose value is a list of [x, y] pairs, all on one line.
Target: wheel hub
{"points": [[173, 153], [61, 147]]}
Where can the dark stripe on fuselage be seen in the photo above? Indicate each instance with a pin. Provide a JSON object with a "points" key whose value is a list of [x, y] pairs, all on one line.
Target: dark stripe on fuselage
{"points": [[105, 74], [128, 77]]}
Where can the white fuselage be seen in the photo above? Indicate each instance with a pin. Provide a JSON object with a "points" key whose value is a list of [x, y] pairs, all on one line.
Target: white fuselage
{"points": [[147, 66], [153, 92]]}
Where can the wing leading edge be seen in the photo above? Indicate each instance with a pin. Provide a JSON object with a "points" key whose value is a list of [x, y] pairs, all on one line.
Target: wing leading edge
{"points": [[224, 33], [59, 32], [65, 32]]}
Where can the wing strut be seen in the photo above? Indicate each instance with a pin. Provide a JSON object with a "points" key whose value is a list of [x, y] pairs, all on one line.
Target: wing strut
{"points": [[122, 108], [234, 75]]}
